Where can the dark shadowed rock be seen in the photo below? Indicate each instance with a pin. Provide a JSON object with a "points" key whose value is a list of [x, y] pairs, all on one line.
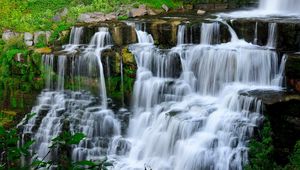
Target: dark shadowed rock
{"points": [[292, 69]]}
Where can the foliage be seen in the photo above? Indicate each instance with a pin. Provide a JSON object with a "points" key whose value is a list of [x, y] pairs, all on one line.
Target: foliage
{"points": [[294, 158], [261, 151], [11, 153], [41, 41], [57, 29]]}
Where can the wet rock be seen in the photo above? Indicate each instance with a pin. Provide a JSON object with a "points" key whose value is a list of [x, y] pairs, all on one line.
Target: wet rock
{"points": [[138, 12], [165, 7], [201, 12], [8, 34]]}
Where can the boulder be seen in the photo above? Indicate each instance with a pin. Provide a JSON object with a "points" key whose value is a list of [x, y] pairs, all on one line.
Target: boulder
{"points": [[29, 43], [28, 36], [138, 12], [8, 34], [201, 12], [165, 7]]}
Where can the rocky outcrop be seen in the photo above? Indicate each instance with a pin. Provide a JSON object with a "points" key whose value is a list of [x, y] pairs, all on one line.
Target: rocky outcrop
{"points": [[95, 17], [8, 34], [137, 12], [28, 38], [283, 111]]}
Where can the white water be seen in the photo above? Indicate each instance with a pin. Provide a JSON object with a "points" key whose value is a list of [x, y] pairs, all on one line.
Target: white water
{"points": [[188, 113], [181, 34], [280, 6], [143, 36], [75, 39], [197, 120], [269, 8], [272, 35], [77, 111], [210, 33]]}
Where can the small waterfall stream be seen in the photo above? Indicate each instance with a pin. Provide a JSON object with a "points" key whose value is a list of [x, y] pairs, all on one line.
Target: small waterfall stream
{"points": [[187, 111]]}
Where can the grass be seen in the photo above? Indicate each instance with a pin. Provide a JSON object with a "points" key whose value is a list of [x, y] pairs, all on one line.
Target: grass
{"points": [[33, 15]]}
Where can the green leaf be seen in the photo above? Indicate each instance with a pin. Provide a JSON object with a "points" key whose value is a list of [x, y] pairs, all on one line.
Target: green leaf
{"points": [[76, 138], [85, 163]]}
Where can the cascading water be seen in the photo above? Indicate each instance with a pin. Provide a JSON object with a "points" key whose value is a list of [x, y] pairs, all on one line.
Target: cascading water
{"points": [[60, 109], [181, 34], [196, 119], [75, 39], [272, 33], [143, 36], [187, 109], [269, 8], [210, 33], [279, 6]]}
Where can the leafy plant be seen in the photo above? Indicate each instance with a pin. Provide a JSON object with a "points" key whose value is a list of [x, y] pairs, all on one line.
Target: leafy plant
{"points": [[261, 150]]}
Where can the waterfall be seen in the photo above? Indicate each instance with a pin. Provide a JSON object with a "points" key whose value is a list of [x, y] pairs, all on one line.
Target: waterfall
{"points": [[59, 110], [272, 35], [75, 39], [92, 55], [181, 34], [188, 111], [76, 35], [47, 62], [61, 72], [188, 107], [280, 6], [210, 33], [142, 35]]}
